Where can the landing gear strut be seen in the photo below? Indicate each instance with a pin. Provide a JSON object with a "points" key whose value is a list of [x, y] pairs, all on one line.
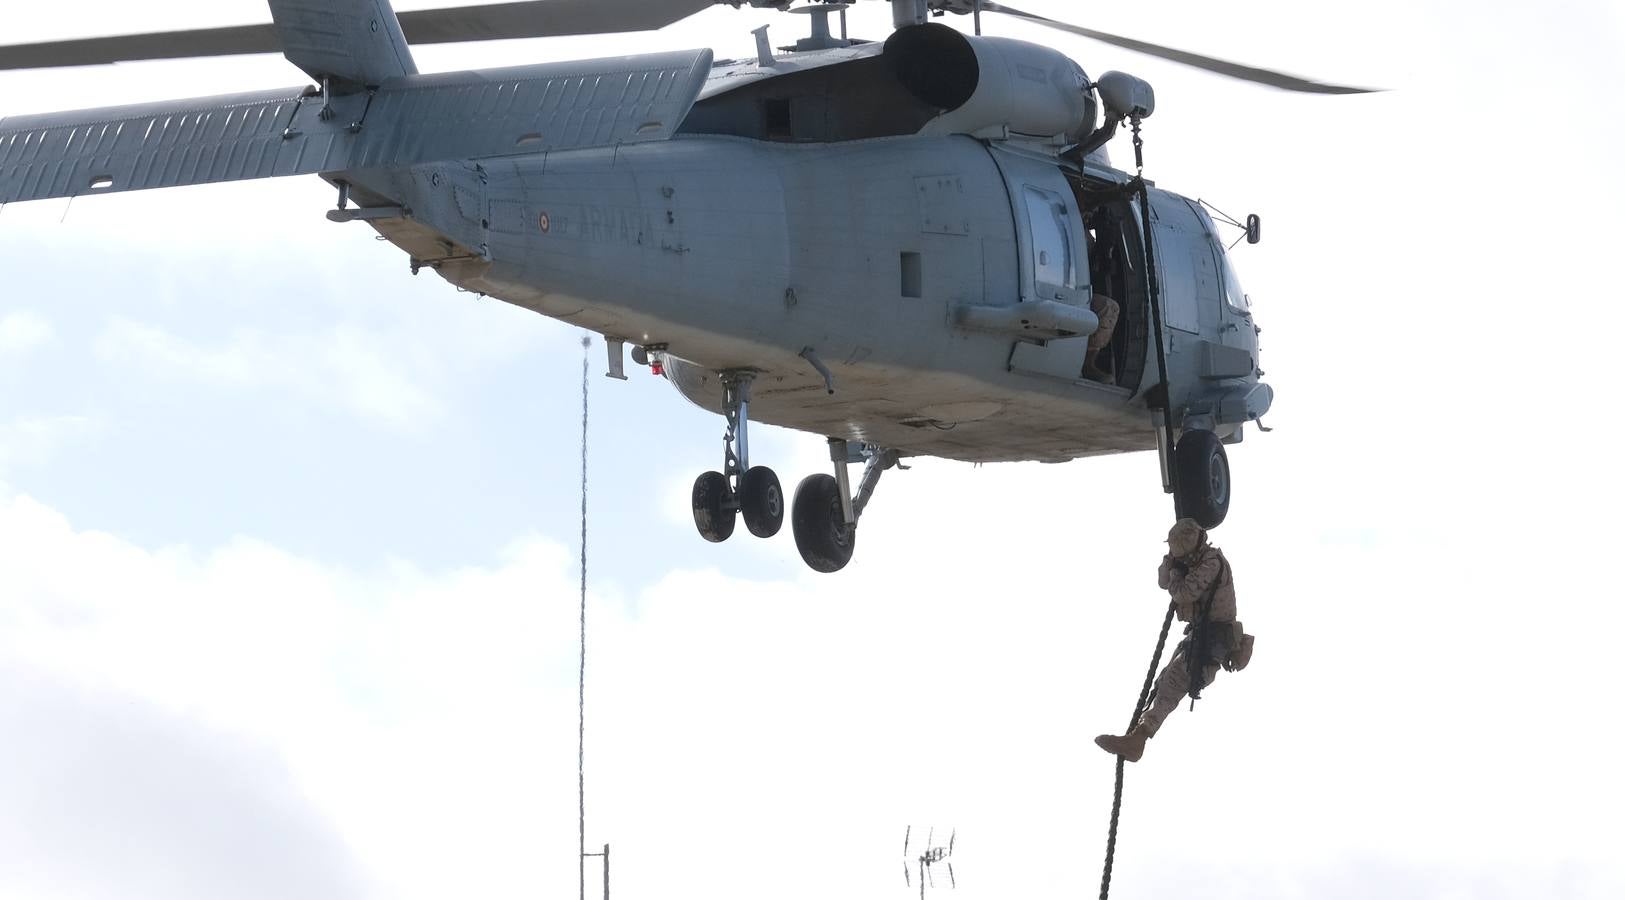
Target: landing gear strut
{"points": [[825, 514], [739, 489]]}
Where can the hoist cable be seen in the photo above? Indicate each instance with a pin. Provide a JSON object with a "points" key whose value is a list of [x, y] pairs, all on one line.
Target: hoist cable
{"points": [[1146, 693], [1153, 293], [581, 681]]}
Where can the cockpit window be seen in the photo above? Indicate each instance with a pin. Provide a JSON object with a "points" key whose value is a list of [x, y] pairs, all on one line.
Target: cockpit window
{"points": [[1233, 294]]}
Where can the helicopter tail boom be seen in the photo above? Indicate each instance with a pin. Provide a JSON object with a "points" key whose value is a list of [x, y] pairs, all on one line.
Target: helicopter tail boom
{"points": [[410, 119]]}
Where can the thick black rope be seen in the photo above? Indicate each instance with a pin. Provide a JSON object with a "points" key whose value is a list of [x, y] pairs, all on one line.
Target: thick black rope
{"points": [[1168, 436], [1139, 707]]}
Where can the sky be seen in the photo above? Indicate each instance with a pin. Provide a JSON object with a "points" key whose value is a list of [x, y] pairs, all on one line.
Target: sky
{"points": [[288, 536]]}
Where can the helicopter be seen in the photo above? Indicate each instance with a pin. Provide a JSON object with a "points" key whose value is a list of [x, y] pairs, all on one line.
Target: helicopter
{"points": [[911, 247]]}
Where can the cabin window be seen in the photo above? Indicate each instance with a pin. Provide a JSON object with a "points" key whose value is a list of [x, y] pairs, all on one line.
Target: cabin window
{"points": [[1051, 242], [913, 277]]}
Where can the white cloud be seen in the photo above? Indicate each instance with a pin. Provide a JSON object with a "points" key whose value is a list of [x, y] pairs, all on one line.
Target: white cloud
{"points": [[22, 331], [107, 796], [33, 440], [343, 366], [429, 717], [404, 704]]}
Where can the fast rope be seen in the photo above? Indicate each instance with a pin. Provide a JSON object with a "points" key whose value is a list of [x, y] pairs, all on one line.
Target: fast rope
{"points": [[581, 695], [1167, 428], [1146, 695]]}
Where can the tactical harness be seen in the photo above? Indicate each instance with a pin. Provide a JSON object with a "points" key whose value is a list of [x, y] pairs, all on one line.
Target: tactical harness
{"points": [[1198, 639]]}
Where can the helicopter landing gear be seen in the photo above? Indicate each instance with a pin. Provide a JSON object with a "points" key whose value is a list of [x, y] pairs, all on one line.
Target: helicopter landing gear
{"points": [[761, 501], [739, 490], [1202, 483], [714, 509], [825, 515]]}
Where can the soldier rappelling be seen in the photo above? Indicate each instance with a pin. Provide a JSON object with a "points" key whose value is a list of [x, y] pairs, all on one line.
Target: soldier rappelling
{"points": [[1198, 577]]}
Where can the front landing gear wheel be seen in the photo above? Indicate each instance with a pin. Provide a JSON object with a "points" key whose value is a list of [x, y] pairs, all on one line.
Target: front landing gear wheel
{"points": [[713, 512], [1203, 473], [761, 501], [822, 535]]}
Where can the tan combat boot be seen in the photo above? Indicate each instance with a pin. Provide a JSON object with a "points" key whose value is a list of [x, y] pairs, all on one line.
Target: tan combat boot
{"points": [[1130, 746]]}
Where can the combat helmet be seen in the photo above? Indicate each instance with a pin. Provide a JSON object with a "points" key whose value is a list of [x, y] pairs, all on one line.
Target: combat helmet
{"points": [[1185, 537]]}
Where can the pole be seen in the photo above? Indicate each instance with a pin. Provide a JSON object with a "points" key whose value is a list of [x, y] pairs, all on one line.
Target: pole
{"points": [[605, 855], [581, 696]]}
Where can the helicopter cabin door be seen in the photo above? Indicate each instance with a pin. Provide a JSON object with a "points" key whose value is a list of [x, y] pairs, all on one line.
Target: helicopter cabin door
{"points": [[1189, 282], [1053, 263]]}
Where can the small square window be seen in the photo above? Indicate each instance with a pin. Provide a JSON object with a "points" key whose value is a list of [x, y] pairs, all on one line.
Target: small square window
{"points": [[913, 276]]}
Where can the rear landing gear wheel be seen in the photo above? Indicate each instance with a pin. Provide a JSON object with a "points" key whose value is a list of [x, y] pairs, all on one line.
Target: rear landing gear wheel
{"points": [[761, 501], [714, 511], [1203, 478], [823, 537]]}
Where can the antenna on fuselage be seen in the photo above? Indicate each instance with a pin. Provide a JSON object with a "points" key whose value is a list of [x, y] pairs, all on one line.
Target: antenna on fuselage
{"points": [[821, 38], [909, 12]]}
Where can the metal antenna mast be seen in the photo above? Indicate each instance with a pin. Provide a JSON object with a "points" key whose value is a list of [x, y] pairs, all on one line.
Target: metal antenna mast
{"points": [[581, 681], [927, 857], [605, 855]]}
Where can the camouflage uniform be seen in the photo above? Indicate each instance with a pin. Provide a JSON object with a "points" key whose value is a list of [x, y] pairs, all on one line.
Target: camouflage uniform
{"points": [[1106, 310], [1190, 572]]}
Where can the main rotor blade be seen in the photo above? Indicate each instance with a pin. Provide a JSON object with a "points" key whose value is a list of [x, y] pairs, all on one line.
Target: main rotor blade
{"points": [[133, 47], [536, 18], [543, 18], [1222, 67]]}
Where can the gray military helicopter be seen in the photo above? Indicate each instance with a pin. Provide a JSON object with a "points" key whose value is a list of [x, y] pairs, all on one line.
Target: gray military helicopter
{"points": [[897, 245]]}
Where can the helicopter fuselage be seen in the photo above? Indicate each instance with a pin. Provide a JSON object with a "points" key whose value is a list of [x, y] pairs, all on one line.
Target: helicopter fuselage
{"points": [[910, 248], [884, 260]]}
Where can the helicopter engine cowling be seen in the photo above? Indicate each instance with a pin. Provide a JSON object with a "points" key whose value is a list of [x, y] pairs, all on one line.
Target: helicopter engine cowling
{"points": [[984, 83]]}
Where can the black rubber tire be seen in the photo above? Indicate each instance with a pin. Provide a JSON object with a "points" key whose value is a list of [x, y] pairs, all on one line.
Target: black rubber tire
{"points": [[1202, 473], [714, 510], [761, 501], [823, 538]]}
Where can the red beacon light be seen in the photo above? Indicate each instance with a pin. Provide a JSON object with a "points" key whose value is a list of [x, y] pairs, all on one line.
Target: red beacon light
{"points": [[651, 356]]}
